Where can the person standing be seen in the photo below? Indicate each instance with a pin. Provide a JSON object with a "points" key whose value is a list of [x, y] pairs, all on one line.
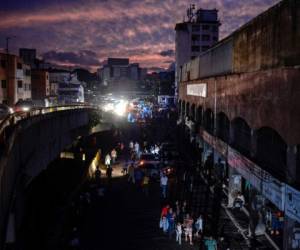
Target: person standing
{"points": [[131, 173], [164, 211], [171, 220], [98, 176], [199, 225], [145, 184], [164, 185], [188, 223], [178, 232], [210, 243], [137, 148], [131, 145], [107, 161], [109, 174], [138, 177], [113, 155]]}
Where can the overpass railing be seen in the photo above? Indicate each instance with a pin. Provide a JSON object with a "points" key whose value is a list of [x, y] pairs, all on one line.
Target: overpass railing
{"points": [[14, 118]]}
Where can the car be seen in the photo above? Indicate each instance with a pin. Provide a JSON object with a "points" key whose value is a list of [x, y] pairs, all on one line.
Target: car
{"points": [[149, 158], [152, 170], [5, 111], [24, 105]]}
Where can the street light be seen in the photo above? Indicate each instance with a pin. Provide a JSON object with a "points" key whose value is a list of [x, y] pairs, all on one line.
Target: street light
{"points": [[7, 43]]}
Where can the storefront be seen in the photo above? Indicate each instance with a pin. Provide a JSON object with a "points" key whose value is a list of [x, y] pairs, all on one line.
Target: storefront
{"points": [[269, 197]]}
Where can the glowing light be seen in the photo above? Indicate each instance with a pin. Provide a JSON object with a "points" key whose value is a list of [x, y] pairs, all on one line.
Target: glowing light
{"points": [[108, 107], [120, 108], [25, 109]]}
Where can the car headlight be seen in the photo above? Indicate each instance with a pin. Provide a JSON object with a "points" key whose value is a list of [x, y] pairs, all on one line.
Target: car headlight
{"points": [[25, 108]]}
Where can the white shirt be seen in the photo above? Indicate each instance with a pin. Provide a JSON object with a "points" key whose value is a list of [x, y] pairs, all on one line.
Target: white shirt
{"points": [[107, 160], [179, 229], [199, 222], [164, 180]]}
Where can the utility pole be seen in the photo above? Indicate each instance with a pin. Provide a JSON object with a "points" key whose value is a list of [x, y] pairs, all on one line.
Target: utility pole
{"points": [[8, 68]]}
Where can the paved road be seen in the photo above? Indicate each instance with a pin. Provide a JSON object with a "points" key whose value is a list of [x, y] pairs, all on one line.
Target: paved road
{"points": [[126, 219]]}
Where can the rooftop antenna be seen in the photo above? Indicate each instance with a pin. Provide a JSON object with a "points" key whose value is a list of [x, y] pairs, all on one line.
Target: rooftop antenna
{"points": [[190, 12]]}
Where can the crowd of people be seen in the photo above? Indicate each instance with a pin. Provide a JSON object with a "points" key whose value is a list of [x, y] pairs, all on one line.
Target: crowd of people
{"points": [[177, 221]]}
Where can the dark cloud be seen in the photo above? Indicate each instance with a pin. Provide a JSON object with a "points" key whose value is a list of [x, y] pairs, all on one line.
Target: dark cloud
{"points": [[86, 32], [83, 57], [167, 53]]}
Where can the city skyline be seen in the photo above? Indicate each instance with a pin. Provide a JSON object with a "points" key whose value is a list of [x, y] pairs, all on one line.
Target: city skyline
{"points": [[75, 34]]}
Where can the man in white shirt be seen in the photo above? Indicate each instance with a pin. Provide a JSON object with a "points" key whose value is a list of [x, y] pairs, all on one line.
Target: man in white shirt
{"points": [[163, 185], [107, 160]]}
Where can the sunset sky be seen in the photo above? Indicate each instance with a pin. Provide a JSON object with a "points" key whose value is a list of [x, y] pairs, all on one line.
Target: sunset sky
{"points": [[85, 32]]}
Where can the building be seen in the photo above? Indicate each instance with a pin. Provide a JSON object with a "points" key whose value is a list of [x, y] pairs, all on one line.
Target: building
{"points": [[57, 76], [69, 93], [26, 91], [119, 73], [40, 84], [194, 36], [15, 77], [28, 56], [64, 84], [243, 98]]}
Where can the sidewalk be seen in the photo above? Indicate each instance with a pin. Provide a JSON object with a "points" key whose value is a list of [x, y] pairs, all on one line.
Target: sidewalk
{"points": [[240, 219]]}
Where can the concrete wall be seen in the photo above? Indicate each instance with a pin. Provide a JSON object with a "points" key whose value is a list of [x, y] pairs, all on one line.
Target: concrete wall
{"points": [[270, 40], [269, 98], [35, 142]]}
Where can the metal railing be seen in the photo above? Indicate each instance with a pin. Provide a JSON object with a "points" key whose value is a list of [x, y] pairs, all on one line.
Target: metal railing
{"points": [[14, 118]]}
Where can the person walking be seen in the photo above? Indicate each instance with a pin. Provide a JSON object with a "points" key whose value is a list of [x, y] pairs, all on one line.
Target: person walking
{"points": [[164, 185], [199, 225], [137, 148], [131, 146], [113, 155], [178, 232], [188, 224], [210, 243], [164, 211], [109, 174], [98, 176], [171, 220], [131, 173], [177, 209], [107, 161], [164, 224], [239, 201], [138, 175], [145, 184]]}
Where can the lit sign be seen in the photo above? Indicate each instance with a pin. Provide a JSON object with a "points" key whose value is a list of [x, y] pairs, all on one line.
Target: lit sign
{"points": [[199, 89]]}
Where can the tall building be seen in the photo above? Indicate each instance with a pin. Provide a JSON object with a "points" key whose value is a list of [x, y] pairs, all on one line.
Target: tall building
{"points": [[40, 84], [118, 73], [194, 36], [28, 56], [15, 78]]}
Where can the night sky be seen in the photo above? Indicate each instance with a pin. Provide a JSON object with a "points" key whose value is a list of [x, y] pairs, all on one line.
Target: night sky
{"points": [[85, 32]]}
